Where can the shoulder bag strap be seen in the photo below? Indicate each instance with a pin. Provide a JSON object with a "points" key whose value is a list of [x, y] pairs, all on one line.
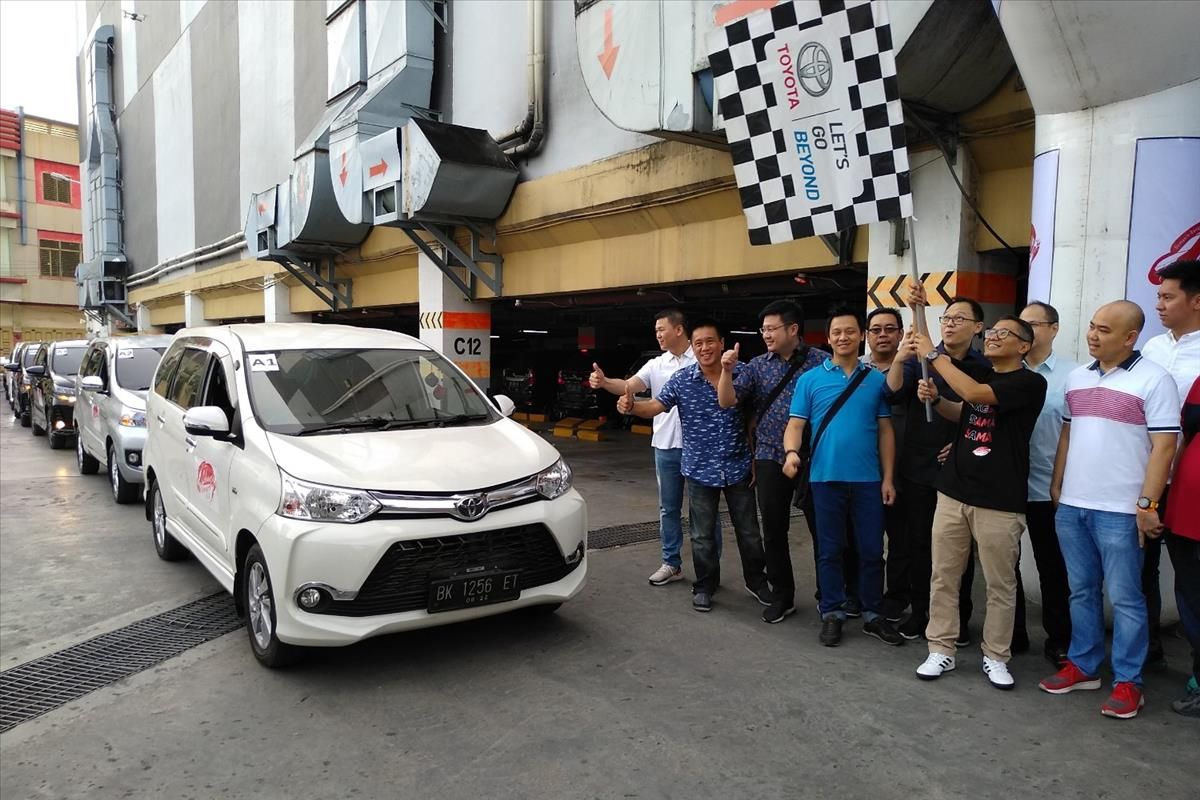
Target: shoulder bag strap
{"points": [[837, 404], [797, 362]]}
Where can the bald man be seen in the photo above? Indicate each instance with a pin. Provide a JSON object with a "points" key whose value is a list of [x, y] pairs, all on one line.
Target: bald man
{"points": [[1114, 455]]}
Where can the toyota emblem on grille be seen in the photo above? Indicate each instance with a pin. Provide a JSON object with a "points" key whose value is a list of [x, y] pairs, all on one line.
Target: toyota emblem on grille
{"points": [[471, 507]]}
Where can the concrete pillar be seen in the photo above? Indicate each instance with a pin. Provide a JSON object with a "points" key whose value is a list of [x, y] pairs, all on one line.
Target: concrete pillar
{"points": [[454, 326], [193, 311], [946, 250], [143, 321], [277, 304]]}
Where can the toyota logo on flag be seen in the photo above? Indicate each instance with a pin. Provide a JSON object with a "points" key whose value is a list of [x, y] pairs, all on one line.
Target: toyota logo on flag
{"points": [[814, 69]]}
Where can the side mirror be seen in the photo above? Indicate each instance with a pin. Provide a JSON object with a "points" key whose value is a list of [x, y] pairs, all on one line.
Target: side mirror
{"points": [[505, 404], [12, 366], [35, 371], [91, 383], [206, 421]]}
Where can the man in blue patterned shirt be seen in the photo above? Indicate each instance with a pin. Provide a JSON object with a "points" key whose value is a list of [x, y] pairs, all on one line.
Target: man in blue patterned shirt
{"points": [[786, 359], [716, 460]]}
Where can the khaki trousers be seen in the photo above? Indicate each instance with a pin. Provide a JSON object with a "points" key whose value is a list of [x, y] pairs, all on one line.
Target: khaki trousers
{"points": [[997, 536]]}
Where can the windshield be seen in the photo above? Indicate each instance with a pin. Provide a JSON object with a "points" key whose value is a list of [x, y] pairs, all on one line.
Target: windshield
{"points": [[136, 365], [66, 360], [31, 354], [298, 391]]}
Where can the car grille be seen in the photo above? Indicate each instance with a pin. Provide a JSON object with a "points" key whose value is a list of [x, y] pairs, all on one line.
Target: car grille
{"points": [[400, 581]]}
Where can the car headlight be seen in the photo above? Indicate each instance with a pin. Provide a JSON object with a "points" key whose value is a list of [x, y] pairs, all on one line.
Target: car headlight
{"points": [[554, 481], [132, 419], [303, 500], [64, 398]]}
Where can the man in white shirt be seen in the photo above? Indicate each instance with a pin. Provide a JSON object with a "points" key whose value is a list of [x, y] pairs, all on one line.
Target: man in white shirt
{"points": [[667, 440], [1178, 352]]}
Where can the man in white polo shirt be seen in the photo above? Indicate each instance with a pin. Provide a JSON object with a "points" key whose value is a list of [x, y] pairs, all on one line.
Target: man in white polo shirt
{"points": [[667, 440], [1178, 352], [1114, 454]]}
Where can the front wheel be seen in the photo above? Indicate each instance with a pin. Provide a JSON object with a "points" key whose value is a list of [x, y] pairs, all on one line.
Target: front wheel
{"points": [[86, 464], [259, 610], [166, 545], [122, 490]]}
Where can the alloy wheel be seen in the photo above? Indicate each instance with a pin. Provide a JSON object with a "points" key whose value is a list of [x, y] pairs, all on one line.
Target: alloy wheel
{"points": [[160, 521], [258, 595]]}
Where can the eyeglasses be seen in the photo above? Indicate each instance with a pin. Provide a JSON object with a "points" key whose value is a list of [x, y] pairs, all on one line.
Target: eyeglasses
{"points": [[875, 331], [956, 320], [1002, 334], [765, 330], [1039, 324]]}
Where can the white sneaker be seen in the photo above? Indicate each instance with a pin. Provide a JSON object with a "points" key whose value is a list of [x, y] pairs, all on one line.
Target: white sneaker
{"points": [[666, 574], [934, 666], [997, 672]]}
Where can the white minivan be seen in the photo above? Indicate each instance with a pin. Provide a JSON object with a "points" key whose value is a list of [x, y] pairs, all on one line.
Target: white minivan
{"points": [[347, 482]]}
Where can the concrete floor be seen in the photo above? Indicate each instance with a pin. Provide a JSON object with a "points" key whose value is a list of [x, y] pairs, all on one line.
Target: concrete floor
{"points": [[625, 693]]}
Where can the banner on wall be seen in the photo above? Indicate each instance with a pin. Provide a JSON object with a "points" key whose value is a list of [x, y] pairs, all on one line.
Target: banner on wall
{"points": [[1041, 233], [1164, 220]]}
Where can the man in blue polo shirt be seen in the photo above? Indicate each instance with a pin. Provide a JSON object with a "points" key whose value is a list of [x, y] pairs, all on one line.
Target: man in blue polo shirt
{"points": [[853, 454], [715, 461]]}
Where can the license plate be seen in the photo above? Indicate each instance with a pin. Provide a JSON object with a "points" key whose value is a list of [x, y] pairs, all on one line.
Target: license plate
{"points": [[473, 589]]}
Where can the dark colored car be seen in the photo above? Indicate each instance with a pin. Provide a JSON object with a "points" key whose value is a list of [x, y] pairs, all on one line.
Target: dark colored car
{"points": [[52, 393], [520, 384], [19, 373], [574, 396], [9, 377]]}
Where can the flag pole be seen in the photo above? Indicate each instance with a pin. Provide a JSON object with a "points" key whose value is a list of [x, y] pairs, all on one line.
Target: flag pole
{"points": [[919, 317]]}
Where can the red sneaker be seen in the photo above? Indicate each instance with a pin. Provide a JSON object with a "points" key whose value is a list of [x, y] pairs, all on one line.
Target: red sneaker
{"points": [[1125, 701], [1068, 679]]}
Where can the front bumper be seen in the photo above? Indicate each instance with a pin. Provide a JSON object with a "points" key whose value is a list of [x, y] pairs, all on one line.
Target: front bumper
{"points": [[128, 444], [64, 413], [359, 559]]}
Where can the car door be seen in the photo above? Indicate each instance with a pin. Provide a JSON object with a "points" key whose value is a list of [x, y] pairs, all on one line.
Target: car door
{"points": [[37, 385], [183, 392], [212, 457], [88, 418]]}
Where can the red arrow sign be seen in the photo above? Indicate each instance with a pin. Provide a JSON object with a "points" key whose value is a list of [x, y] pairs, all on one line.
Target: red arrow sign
{"points": [[343, 174], [377, 169], [608, 58]]}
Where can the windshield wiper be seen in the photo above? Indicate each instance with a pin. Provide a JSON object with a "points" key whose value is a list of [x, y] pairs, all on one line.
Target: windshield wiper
{"points": [[377, 423], [437, 421]]}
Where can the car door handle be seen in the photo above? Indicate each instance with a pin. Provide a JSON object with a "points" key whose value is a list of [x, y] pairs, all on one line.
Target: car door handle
{"points": [[189, 441], [161, 419]]}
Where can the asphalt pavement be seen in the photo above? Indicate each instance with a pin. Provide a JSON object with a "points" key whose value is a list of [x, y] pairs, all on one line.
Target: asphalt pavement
{"points": [[625, 693]]}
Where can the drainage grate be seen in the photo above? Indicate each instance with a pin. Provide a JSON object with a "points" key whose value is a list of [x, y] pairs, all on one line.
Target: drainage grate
{"points": [[30, 690]]}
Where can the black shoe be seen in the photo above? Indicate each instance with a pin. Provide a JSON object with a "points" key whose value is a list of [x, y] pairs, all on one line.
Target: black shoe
{"points": [[963, 640], [702, 601], [1020, 643], [1057, 657], [852, 607], [831, 631], [893, 616], [913, 628], [1156, 660], [884, 632], [777, 611], [762, 594]]}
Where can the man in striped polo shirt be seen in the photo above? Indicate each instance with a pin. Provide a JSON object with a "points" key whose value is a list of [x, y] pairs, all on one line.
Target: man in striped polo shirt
{"points": [[1114, 454]]}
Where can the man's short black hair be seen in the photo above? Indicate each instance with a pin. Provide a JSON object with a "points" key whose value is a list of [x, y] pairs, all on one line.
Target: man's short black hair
{"points": [[673, 316], [1186, 272], [708, 322], [1025, 327], [1051, 311], [976, 309], [843, 311], [787, 310], [895, 312]]}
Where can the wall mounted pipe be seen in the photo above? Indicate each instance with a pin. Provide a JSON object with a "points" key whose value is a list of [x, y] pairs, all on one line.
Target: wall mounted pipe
{"points": [[229, 244], [526, 138], [21, 174]]}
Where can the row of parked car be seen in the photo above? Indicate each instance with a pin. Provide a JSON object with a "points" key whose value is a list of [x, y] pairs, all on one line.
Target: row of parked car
{"points": [[340, 482]]}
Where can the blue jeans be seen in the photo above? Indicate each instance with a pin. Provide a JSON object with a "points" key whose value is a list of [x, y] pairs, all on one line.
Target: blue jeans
{"points": [[862, 503], [706, 550], [670, 505], [1101, 551]]}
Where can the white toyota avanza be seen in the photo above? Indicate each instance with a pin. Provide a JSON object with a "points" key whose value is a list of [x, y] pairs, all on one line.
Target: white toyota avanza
{"points": [[347, 482]]}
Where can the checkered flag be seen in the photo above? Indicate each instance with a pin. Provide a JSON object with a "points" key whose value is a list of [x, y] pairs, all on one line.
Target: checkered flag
{"points": [[811, 104]]}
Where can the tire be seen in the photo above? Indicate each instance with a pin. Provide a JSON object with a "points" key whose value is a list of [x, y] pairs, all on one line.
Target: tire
{"points": [[84, 462], [166, 545], [258, 610], [122, 490], [38, 430], [26, 419]]}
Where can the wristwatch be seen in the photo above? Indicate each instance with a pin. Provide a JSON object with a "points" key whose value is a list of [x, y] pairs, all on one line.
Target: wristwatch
{"points": [[1146, 504], [787, 453], [933, 355]]}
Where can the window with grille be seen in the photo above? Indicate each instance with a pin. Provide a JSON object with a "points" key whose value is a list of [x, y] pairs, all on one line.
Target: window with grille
{"points": [[55, 190], [58, 259]]}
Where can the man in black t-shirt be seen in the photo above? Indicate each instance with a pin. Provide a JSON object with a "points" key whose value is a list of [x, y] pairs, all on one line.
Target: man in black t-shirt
{"points": [[981, 490]]}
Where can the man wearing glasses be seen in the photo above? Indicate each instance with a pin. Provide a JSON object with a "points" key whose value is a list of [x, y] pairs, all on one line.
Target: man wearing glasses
{"points": [[919, 463], [982, 490], [884, 330], [764, 387]]}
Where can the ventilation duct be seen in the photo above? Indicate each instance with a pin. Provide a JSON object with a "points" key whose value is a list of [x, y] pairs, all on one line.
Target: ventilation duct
{"points": [[101, 278]]}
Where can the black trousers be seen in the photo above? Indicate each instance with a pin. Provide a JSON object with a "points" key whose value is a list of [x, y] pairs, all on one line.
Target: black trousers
{"points": [[1185, 557], [1150, 584], [1052, 576], [898, 595], [775, 492], [915, 551]]}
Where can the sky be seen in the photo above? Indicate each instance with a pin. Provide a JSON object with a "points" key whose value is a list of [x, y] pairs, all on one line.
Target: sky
{"points": [[38, 47]]}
